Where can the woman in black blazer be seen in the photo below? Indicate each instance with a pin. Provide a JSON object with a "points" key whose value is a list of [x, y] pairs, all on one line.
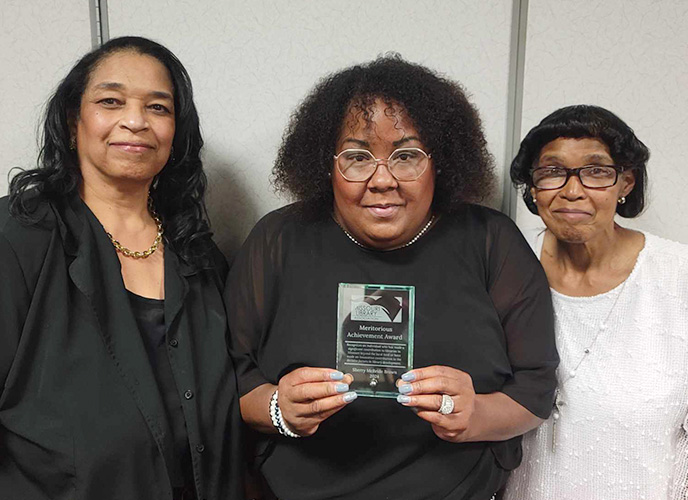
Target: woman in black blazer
{"points": [[116, 378]]}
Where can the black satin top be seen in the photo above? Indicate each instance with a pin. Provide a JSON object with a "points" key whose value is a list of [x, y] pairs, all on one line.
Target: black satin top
{"points": [[150, 318]]}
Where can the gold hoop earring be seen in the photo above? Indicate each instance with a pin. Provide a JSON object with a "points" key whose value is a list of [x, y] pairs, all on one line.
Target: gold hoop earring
{"points": [[622, 200]]}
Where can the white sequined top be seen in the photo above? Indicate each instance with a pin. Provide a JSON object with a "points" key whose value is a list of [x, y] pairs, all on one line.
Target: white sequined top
{"points": [[623, 427]]}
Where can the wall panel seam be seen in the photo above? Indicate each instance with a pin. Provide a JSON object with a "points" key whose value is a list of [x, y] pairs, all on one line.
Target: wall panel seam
{"points": [[519, 24], [100, 27]]}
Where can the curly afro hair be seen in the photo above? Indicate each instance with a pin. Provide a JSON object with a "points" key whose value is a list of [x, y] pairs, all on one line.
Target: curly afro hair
{"points": [[581, 121], [447, 123]]}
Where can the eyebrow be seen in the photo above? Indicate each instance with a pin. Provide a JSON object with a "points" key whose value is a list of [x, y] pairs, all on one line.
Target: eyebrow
{"points": [[598, 157], [404, 140], [587, 159], [366, 144], [119, 86], [548, 158], [358, 142]]}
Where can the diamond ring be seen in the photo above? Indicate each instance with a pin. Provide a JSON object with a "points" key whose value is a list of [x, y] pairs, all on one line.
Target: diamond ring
{"points": [[447, 405]]}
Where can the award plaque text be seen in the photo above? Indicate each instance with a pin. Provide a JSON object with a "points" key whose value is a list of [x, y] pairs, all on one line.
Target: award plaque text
{"points": [[375, 336]]}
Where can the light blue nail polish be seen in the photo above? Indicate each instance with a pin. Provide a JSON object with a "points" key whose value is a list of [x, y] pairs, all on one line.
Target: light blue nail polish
{"points": [[408, 377], [405, 388], [349, 397], [341, 387], [336, 375], [403, 399]]}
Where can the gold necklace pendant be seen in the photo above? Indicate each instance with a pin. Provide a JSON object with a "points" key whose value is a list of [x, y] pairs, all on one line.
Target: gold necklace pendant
{"points": [[146, 253]]}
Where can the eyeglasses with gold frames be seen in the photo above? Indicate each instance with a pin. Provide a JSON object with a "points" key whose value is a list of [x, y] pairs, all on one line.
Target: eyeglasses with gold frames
{"points": [[405, 164]]}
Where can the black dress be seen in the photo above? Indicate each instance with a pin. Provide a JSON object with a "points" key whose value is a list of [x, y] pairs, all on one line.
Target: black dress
{"points": [[482, 305]]}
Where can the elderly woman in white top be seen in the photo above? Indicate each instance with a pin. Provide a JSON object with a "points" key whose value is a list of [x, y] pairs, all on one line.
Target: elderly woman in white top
{"points": [[618, 428]]}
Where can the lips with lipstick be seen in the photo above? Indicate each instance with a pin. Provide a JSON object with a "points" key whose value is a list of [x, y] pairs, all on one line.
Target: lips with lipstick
{"points": [[383, 210], [132, 146]]}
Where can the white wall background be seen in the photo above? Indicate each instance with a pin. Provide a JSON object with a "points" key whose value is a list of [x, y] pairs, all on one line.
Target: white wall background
{"points": [[631, 58], [253, 61], [40, 40]]}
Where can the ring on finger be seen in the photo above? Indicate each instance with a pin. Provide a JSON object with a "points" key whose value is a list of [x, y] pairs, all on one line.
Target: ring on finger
{"points": [[447, 405]]}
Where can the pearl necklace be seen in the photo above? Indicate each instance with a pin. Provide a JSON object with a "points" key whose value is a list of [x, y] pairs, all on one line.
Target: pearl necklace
{"points": [[409, 243], [558, 401]]}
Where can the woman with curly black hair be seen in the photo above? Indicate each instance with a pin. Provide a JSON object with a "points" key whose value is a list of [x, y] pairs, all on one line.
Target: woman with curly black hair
{"points": [[117, 382], [619, 428], [384, 160]]}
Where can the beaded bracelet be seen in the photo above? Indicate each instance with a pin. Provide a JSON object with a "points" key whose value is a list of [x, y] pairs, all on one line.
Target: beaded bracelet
{"points": [[277, 418]]}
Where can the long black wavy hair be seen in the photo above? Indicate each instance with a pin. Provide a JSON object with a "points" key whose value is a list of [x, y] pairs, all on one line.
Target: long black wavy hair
{"points": [[448, 125], [580, 121], [177, 191]]}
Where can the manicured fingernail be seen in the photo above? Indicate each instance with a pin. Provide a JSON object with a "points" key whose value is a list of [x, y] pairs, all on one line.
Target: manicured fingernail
{"points": [[349, 397], [403, 399], [405, 388], [408, 377], [341, 387], [336, 375]]}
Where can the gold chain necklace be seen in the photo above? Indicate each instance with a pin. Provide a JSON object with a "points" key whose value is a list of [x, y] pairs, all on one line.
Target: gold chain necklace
{"points": [[146, 253]]}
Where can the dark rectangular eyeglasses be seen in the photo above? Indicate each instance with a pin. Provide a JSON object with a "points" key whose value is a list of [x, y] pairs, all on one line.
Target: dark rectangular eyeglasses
{"points": [[590, 176]]}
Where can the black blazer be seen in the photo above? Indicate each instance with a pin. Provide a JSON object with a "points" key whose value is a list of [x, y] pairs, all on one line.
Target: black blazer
{"points": [[81, 416]]}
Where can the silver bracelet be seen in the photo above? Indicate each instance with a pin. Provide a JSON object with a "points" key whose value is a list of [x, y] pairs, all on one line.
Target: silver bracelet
{"points": [[277, 418]]}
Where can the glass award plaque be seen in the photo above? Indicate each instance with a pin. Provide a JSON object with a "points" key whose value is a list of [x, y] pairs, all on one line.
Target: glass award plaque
{"points": [[375, 336]]}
